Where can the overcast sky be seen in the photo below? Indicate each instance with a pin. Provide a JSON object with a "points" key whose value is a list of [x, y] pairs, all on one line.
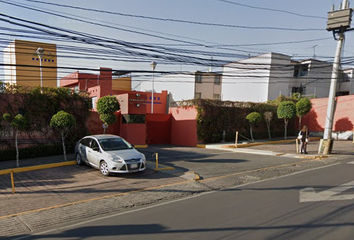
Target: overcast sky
{"points": [[228, 30]]}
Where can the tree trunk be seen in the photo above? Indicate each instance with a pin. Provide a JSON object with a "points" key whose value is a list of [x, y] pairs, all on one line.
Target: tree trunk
{"points": [[63, 143], [251, 133], [299, 123], [268, 126], [286, 121], [17, 152]]}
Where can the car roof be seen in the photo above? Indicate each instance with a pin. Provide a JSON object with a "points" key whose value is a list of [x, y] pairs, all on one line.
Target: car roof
{"points": [[103, 136]]}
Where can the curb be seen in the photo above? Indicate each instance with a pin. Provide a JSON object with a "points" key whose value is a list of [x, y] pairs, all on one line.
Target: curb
{"points": [[245, 145], [141, 146], [37, 167]]}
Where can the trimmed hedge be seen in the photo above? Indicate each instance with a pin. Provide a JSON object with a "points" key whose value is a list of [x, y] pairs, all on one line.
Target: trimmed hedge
{"points": [[214, 117], [36, 151]]}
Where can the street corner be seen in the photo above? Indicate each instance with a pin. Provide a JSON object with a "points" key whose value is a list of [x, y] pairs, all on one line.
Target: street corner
{"points": [[318, 157], [191, 175]]}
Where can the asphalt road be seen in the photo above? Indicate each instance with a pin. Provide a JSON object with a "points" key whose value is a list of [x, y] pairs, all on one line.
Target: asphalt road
{"points": [[313, 204], [211, 162]]}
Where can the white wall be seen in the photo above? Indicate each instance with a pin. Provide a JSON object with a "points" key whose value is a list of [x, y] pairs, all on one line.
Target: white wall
{"points": [[319, 79], [280, 74], [180, 86], [348, 86], [247, 80], [267, 76]]}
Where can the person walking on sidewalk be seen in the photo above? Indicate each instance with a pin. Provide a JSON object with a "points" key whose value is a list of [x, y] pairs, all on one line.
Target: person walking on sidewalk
{"points": [[304, 138]]}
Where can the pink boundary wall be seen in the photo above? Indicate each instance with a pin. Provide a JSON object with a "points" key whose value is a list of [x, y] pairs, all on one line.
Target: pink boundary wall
{"points": [[343, 116], [184, 126]]}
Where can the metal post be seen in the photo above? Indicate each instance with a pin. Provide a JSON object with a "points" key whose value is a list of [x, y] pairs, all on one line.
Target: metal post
{"points": [[40, 70], [153, 66], [12, 182], [326, 142], [40, 53], [152, 94], [236, 139], [157, 161]]}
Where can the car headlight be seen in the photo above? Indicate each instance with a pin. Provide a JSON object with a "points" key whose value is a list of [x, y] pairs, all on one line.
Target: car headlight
{"points": [[143, 159], [115, 159]]}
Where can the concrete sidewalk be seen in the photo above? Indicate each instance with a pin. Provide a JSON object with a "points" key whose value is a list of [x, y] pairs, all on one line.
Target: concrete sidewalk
{"points": [[286, 148]]}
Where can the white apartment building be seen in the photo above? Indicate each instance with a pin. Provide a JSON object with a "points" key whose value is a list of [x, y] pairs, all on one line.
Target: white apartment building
{"points": [[265, 77]]}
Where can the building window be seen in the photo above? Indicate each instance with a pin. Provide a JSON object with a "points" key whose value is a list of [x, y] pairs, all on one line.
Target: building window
{"points": [[301, 90], [198, 95], [217, 96], [344, 77], [344, 93], [133, 118], [94, 100], [217, 80], [198, 78], [301, 70]]}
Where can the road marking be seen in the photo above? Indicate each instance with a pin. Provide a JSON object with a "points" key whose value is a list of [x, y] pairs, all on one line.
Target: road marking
{"points": [[178, 183], [80, 222], [332, 194], [351, 162], [163, 168]]}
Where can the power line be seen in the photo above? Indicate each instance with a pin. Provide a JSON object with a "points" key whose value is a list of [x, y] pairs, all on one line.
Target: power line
{"points": [[179, 20], [270, 9]]}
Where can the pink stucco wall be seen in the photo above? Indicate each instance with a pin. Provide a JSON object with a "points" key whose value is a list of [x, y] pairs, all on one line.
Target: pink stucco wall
{"points": [[343, 116], [184, 126]]}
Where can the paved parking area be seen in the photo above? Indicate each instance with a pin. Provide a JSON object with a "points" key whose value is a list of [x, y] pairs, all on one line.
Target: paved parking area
{"points": [[70, 184]]}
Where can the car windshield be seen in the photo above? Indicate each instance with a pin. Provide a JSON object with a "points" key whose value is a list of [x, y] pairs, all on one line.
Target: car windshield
{"points": [[113, 144]]}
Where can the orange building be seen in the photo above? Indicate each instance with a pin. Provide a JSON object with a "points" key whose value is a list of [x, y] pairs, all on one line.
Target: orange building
{"points": [[24, 66], [135, 121], [105, 83]]}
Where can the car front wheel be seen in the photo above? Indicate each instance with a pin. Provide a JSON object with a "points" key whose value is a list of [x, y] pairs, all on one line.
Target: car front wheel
{"points": [[104, 168], [78, 159]]}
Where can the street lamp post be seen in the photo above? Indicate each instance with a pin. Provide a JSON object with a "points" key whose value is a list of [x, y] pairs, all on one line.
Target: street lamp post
{"points": [[40, 53], [153, 66]]}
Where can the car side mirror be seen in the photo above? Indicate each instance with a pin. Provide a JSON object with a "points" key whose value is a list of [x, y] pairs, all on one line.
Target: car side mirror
{"points": [[96, 149]]}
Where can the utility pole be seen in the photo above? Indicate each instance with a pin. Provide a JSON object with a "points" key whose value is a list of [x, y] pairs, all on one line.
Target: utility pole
{"points": [[338, 22]]}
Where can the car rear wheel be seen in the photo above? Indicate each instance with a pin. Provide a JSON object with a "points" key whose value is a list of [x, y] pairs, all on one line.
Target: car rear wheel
{"points": [[79, 159], [104, 168]]}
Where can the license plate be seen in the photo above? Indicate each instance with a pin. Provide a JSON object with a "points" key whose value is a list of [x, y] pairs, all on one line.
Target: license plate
{"points": [[134, 165]]}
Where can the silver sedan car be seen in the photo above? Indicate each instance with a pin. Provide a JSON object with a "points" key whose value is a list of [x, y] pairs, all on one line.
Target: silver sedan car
{"points": [[109, 154]]}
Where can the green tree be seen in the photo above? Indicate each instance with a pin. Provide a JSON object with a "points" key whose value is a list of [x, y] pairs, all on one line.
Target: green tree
{"points": [[19, 123], [303, 107], [268, 117], [106, 107], [253, 118], [287, 111], [108, 118], [62, 122]]}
